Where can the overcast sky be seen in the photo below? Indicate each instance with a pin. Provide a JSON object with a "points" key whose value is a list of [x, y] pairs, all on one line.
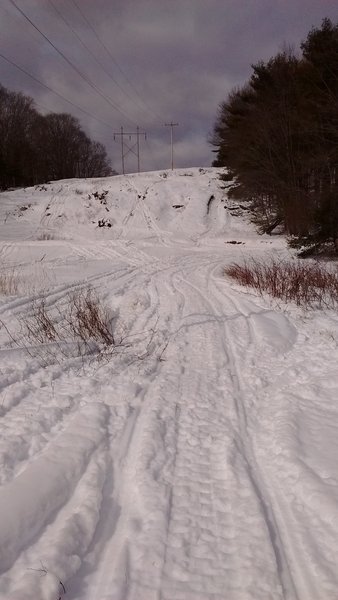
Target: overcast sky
{"points": [[146, 63]]}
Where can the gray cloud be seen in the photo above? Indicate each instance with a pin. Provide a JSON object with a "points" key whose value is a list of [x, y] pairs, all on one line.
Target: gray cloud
{"points": [[170, 59]]}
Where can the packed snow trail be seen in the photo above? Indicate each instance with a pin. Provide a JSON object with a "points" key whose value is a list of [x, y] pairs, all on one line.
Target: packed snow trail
{"points": [[199, 462]]}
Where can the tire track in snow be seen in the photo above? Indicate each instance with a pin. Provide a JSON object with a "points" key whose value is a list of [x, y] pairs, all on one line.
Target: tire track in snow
{"points": [[112, 554], [17, 452], [6, 249], [57, 472], [195, 522], [148, 219], [59, 293], [61, 547], [156, 273], [231, 450], [39, 405], [294, 567], [117, 557], [181, 499]]}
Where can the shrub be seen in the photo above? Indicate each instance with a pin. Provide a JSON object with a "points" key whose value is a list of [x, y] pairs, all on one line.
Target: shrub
{"points": [[306, 284]]}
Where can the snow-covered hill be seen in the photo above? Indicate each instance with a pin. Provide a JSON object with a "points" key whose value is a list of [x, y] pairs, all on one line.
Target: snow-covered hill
{"points": [[200, 461], [132, 207]]}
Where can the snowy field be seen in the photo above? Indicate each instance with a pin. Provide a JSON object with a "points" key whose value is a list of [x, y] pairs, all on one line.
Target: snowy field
{"points": [[200, 460]]}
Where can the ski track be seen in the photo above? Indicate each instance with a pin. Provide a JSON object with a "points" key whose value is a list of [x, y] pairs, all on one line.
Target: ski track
{"points": [[181, 469]]}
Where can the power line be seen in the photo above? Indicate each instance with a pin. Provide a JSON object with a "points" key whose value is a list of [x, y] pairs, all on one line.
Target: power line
{"points": [[106, 135], [90, 26], [78, 37], [87, 113], [150, 151], [70, 63]]}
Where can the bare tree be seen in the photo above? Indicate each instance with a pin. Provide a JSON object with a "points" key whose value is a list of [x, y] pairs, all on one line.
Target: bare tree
{"points": [[36, 148]]}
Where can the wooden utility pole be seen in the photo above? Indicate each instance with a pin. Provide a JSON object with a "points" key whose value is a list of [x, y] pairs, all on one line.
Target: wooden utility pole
{"points": [[126, 148], [171, 125]]}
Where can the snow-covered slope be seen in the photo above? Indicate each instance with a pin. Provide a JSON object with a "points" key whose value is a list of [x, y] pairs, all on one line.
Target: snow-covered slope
{"points": [[200, 461]]}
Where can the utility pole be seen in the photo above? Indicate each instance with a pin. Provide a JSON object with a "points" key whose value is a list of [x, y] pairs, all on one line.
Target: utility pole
{"points": [[129, 147], [171, 125]]}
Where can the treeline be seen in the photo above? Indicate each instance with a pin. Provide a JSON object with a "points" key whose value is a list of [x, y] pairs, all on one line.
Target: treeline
{"points": [[278, 138], [36, 148]]}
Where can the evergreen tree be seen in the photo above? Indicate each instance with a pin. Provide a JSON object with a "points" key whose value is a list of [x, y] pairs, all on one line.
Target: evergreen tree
{"points": [[278, 138]]}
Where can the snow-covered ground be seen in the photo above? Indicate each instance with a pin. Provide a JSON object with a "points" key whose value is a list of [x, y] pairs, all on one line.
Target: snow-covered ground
{"points": [[200, 462]]}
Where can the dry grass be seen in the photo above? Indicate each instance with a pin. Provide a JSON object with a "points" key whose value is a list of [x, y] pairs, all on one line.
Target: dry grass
{"points": [[306, 284], [80, 326], [88, 319], [45, 236], [9, 282], [82, 323]]}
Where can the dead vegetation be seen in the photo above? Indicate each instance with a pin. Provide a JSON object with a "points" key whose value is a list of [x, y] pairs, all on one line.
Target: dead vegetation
{"points": [[45, 236], [79, 326], [9, 282], [306, 284]]}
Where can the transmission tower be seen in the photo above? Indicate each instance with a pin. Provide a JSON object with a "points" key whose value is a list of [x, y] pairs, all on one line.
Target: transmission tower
{"points": [[126, 147]]}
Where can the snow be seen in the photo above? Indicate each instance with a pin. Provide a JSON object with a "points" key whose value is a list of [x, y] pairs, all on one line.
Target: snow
{"points": [[199, 460]]}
